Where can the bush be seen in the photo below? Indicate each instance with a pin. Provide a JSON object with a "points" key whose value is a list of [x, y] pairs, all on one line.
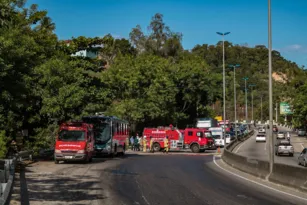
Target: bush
{"points": [[44, 139], [3, 144]]}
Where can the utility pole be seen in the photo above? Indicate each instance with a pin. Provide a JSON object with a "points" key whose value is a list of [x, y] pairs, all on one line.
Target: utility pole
{"points": [[261, 108], [252, 85], [235, 95], [246, 115], [276, 118], [270, 88], [224, 85]]}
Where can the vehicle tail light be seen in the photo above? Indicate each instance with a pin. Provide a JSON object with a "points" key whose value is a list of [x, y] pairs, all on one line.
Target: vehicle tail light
{"points": [[80, 151], [57, 151]]}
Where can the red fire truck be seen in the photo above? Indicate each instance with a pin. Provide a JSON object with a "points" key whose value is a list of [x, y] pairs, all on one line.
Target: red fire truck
{"points": [[195, 139], [75, 142]]}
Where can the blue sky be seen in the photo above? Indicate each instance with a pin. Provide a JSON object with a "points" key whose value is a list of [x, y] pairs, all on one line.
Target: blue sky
{"points": [[197, 20]]}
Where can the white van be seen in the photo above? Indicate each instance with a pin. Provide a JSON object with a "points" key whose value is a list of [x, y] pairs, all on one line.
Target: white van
{"points": [[217, 134]]}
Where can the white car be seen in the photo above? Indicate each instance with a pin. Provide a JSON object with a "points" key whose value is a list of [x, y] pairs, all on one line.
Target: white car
{"points": [[228, 138], [261, 130], [260, 138], [281, 135]]}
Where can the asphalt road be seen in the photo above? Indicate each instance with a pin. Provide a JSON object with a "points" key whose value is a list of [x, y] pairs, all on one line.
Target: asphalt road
{"points": [[260, 150], [142, 179]]}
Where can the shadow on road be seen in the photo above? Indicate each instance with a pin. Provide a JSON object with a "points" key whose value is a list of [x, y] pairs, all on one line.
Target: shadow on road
{"points": [[61, 189]]}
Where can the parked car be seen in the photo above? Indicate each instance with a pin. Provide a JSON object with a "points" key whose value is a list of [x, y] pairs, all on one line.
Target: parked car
{"points": [[260, 138], [303, 158], [228, 138], [284, 147], [301, 132]]}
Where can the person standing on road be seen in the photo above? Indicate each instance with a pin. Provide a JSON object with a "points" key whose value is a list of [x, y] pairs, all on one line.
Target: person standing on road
{"points": [[150, 145], [144, 144], [136, 144], [131, 142], [166, 144]]}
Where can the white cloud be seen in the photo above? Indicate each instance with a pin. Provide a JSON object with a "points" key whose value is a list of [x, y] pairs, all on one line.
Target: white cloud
{"points": [[116, 36], [294, 47]]}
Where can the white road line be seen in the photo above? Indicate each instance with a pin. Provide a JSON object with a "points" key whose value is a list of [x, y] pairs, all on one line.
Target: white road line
{"points": [[305, 199], [303, 146], [144, 198], [236, 151]]}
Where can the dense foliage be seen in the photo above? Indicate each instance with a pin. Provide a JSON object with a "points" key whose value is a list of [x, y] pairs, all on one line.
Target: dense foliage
{"points": [[149, 80]]}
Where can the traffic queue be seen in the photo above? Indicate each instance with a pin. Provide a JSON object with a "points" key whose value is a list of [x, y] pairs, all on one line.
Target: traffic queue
{"points": [[99, 135]]}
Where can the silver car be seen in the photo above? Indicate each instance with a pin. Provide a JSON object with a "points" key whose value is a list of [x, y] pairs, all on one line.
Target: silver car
{"points": [[301, 132], [303, 158], [281, 135], [284, 147]]}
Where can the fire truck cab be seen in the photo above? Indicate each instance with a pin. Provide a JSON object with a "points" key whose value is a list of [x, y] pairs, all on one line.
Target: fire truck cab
{"points": [[75, 142], [195, 139]]}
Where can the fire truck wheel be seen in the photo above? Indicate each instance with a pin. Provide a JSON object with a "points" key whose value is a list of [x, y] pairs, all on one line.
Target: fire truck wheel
{"points": [[195, 148], [156, 147]]}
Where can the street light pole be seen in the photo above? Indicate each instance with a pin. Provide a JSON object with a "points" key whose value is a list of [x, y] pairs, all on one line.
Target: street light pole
{"points": [[224, 85], [270, 88], [252, 85], [245, 79], [261, 108], [235, 96]]}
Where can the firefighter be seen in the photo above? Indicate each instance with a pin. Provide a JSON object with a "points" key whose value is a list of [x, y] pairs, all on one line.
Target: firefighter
{"points": [[144, 144], [166, 144], [141, 144], [150, 145]]}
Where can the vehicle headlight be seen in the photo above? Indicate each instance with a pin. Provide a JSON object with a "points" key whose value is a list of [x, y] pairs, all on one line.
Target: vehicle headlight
{"points": [[80, 151], [57, 151]]}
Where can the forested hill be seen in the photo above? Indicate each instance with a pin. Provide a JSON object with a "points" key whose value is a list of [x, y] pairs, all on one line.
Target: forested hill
{"points": [[148, 79], [253, 63]]}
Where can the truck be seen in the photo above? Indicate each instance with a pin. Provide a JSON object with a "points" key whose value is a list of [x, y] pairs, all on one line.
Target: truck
{"points": [[111, 134], [194, 139], [217, 133], [74, 142], [206, 123]]}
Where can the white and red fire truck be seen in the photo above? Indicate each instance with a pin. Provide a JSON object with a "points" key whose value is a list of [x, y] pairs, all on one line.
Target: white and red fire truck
{"points": [[195, 139]]}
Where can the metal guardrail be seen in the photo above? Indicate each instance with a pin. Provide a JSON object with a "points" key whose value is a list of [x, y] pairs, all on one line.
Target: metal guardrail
{"points": [[7, 174]]}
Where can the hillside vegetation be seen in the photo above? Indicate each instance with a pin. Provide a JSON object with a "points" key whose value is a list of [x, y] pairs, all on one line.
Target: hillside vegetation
{"points": [[149, 80]]}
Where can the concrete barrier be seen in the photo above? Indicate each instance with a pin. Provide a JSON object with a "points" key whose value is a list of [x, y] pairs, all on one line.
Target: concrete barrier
{"points": [[7, 168], [295, 177], [255, 167]]}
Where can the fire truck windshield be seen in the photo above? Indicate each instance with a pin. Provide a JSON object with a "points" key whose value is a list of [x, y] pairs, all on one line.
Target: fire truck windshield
{"points": [[72, 135], [102, 133]]}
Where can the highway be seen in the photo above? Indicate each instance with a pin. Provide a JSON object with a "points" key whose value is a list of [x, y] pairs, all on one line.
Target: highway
{"points": [[144, 180], [260, 150]]}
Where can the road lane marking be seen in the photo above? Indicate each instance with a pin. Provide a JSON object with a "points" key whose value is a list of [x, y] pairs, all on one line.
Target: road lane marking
{"points": [[303, 146], [144, 198], [236, 151], [271, 188]]}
